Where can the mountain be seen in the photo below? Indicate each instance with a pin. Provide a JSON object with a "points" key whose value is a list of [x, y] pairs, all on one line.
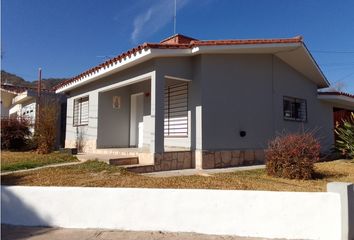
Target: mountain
{"points": [[47, 83]]}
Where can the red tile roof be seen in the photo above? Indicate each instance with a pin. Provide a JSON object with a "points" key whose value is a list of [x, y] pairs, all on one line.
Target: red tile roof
{"points": [[177, 41], [15, 88], [337, 94], [20, 89]]}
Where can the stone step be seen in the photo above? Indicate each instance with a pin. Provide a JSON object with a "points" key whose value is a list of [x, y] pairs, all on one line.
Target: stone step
{"points": [[121, 161], [139, 168]]}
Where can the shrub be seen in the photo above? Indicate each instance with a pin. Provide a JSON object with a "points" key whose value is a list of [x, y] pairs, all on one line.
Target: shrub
{"points": [[292, 155], [345, 134], [15, 132], [46, 129]]}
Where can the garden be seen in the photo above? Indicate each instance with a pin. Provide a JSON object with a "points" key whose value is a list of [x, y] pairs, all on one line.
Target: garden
{"points": [[292, 164]]}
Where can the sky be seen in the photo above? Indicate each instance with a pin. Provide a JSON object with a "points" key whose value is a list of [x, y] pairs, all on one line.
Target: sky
{"points": [[66, 37]]}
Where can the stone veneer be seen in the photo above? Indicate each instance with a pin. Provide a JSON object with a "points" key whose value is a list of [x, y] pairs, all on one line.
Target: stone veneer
{"points": [[167, 161], [209, 159], [231, 158]]}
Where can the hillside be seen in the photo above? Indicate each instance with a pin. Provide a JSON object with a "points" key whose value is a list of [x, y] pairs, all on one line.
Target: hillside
{"points": [[47, 83]]}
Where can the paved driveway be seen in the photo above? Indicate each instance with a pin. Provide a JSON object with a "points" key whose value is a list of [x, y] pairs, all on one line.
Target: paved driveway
{"points": [[36, 233]]}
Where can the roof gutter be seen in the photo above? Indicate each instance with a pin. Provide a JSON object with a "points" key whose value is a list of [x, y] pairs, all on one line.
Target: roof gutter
{"points": [[315, 63]]}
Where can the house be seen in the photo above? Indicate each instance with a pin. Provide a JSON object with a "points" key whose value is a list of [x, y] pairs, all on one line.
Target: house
{"points": [[21, 102], [185, 103]]}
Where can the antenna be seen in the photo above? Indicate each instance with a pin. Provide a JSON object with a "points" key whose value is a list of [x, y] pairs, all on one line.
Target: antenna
{"points": [[174, 18]]}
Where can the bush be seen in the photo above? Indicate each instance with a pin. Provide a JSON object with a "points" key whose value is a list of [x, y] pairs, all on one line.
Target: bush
{"points": [[15, 132], [345, 134], [46, 129], [292, 156]]}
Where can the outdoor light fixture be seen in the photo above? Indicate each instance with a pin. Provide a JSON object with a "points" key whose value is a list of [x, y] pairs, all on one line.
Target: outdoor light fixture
{"points": [[116, 102], [242, 133]]}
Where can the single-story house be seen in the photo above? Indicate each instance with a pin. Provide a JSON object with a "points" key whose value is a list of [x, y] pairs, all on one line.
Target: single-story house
{"points": [[21, 102], [185, 103]]}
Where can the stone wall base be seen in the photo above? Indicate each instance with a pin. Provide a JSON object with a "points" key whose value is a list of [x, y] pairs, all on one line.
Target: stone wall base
{"points": [[168, 161], [231, 158]]}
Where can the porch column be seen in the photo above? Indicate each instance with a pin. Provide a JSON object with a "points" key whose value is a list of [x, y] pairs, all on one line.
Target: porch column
{"points": [[157, 113]]}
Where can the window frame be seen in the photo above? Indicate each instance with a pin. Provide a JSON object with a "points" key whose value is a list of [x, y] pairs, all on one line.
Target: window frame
{"points": [[295, 100], [79, 121]]}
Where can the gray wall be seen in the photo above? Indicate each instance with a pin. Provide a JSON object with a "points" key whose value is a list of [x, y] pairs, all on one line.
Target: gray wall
{"points": [[245, 92], [228, 93], [92, 90], [110, 128], [113, 124]]}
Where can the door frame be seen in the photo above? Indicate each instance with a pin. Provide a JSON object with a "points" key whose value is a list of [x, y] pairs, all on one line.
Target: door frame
{"points": [[134, 122]]}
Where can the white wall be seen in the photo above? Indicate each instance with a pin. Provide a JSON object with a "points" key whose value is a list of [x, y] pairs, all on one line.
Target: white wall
{"points": [[292, 215]]}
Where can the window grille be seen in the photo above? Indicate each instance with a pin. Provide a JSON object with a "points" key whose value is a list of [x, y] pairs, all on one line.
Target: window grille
{"points": [[176, 110], [295, 109], [81, 111]]}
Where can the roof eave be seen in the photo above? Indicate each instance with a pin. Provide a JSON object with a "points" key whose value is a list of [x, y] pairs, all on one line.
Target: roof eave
{"points": [[313, 72]]}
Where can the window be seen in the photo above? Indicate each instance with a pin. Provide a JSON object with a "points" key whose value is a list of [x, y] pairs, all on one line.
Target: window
{"points": [[295, 109], [176, 111], [80, 116]]}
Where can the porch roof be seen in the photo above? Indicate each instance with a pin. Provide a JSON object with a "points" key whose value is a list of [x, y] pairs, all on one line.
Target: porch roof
{"points": [[338, 99], [291, 50]]}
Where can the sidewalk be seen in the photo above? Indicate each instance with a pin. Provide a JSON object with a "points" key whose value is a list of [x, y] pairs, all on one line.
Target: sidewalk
{"points": [[37, 168], [203, 172], [37, 233]]}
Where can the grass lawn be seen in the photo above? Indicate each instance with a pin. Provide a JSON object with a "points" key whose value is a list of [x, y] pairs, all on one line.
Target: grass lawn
{"points": [[97, 174], [11, 161]]}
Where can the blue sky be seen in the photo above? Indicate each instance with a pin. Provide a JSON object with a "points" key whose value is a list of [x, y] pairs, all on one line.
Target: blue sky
{"points": [[67, 37]]}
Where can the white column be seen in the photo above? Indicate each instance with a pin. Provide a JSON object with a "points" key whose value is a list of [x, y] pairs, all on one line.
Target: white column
{"points": [[157, 113], [346, 193]]}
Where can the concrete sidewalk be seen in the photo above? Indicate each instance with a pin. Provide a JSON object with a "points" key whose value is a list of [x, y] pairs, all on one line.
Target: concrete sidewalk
{"points": [[36, 233], [45, 166], [203, 172]]}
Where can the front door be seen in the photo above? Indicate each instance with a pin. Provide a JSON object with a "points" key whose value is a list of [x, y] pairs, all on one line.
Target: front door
{"points": [[136, 119]]}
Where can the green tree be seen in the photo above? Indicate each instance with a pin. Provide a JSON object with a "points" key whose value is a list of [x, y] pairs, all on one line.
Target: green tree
{"points": [[345, 141]]}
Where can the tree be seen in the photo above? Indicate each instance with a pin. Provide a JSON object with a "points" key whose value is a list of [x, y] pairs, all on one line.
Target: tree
{"points": [[46, 125], [345, 133]]}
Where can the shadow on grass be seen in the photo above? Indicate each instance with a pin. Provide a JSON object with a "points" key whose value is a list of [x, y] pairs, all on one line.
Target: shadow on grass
{"points": [[325, 175], [13, 179]]}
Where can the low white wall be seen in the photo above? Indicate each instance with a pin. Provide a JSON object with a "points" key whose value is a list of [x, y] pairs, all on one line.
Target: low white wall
{"points": [[293, 215]]}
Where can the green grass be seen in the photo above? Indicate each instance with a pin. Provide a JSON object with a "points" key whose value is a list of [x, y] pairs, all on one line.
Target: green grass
{"points": [[12, 161]]}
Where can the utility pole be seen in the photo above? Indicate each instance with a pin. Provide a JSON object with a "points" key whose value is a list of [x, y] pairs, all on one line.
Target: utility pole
{"points": [[174, 18], [39, 90]]}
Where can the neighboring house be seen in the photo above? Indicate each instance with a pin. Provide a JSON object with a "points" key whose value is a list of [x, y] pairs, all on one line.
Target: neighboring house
{"points": [[17, 101], [185, 103]]}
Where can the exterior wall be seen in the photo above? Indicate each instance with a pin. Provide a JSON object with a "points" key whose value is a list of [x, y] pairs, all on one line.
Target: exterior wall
{"points": [[288, 82], [92, 90], [264, 214], [101, 130], [114, 124], [228, 93], [6, 102], [236, 95], [245, 93]]}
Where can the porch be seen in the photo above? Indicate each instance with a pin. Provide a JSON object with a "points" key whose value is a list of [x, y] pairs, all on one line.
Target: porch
{"points": [[142, 120]]}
